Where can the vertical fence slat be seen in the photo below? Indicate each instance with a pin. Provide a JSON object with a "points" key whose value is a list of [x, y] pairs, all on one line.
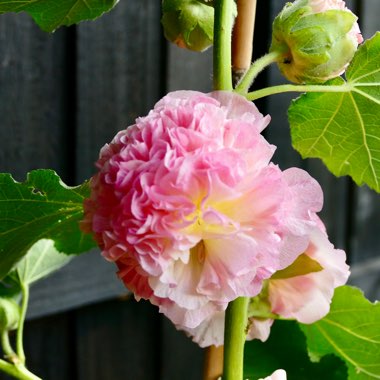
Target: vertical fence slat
{"points": [[119, 75], [48, 347], [32, 103], [118, 340], [189, 70], [181, 358]]}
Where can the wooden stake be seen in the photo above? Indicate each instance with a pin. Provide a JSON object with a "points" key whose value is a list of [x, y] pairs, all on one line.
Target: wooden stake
{"points": [[242, 38], [213, 368]]}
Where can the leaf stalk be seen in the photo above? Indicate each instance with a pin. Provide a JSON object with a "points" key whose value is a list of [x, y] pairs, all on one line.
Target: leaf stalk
{"points": [[346, 87]]}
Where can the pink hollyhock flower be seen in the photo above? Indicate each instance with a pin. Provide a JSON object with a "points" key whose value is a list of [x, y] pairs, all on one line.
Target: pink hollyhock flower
{"points": [[188, 205], [280, 374]]}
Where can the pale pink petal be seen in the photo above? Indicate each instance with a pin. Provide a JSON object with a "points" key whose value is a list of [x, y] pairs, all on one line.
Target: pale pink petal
{"points": [[280, 374], [307, 298], [209, 332], [259, 329]]}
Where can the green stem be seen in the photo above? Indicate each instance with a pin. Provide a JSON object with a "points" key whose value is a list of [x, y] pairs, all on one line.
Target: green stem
{"points": [[296, 88], [222, 44], [20, 328], [234, 339], [6, 346], [256, 67], [19, 371]]}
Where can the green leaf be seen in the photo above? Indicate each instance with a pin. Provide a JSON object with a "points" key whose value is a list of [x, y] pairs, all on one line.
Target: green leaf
{"points": [[51, 14], [41, 260], [342, 128], [286, 349], [41, 207], [351, 331]]}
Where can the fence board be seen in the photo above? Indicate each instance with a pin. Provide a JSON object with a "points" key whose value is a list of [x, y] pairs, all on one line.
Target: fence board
{"points": [[87, 279], [180, 355], [32, 100], [118, 340], [119, 75], [49, 347]]}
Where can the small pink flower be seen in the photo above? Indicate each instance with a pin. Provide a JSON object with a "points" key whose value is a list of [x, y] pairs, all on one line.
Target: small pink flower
{"points": [[280, 374], [307, 298], [188, 205]]}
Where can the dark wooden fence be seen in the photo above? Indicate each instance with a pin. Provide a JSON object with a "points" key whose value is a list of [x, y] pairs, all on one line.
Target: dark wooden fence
{"points": [[63, 96]]}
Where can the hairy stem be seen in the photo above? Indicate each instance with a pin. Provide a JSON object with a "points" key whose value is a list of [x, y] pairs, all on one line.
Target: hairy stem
{"points": [[222, 44], [296, 88], [234, 339], [255, 69]]}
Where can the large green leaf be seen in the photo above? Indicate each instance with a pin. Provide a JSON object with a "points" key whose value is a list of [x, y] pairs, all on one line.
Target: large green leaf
{"points": [[41, 207], [343, 128], [41, 260], [51, 14], [351, 331], [286, 349]]}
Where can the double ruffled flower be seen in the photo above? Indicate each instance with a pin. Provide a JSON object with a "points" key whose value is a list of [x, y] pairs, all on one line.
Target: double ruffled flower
{"points": [[188, 205]]}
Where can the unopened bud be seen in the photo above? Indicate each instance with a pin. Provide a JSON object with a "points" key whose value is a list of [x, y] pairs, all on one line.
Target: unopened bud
{"points": [[316, 40], [9, 314], [188, 23]]}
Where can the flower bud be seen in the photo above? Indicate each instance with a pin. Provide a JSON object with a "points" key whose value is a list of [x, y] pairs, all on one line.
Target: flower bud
{"points": [[188, 23], [316, 39], [9, 314]]}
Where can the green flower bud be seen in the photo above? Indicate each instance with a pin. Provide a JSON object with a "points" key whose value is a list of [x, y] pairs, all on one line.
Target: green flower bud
{"points": [[316, 42], [188, 23], [9, 314]]}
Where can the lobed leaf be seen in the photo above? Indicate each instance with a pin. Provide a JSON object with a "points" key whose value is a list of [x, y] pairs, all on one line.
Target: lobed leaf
{"points": [[351, 331], [41, 207], [343, 128], [41, 260], [51, 14]]}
